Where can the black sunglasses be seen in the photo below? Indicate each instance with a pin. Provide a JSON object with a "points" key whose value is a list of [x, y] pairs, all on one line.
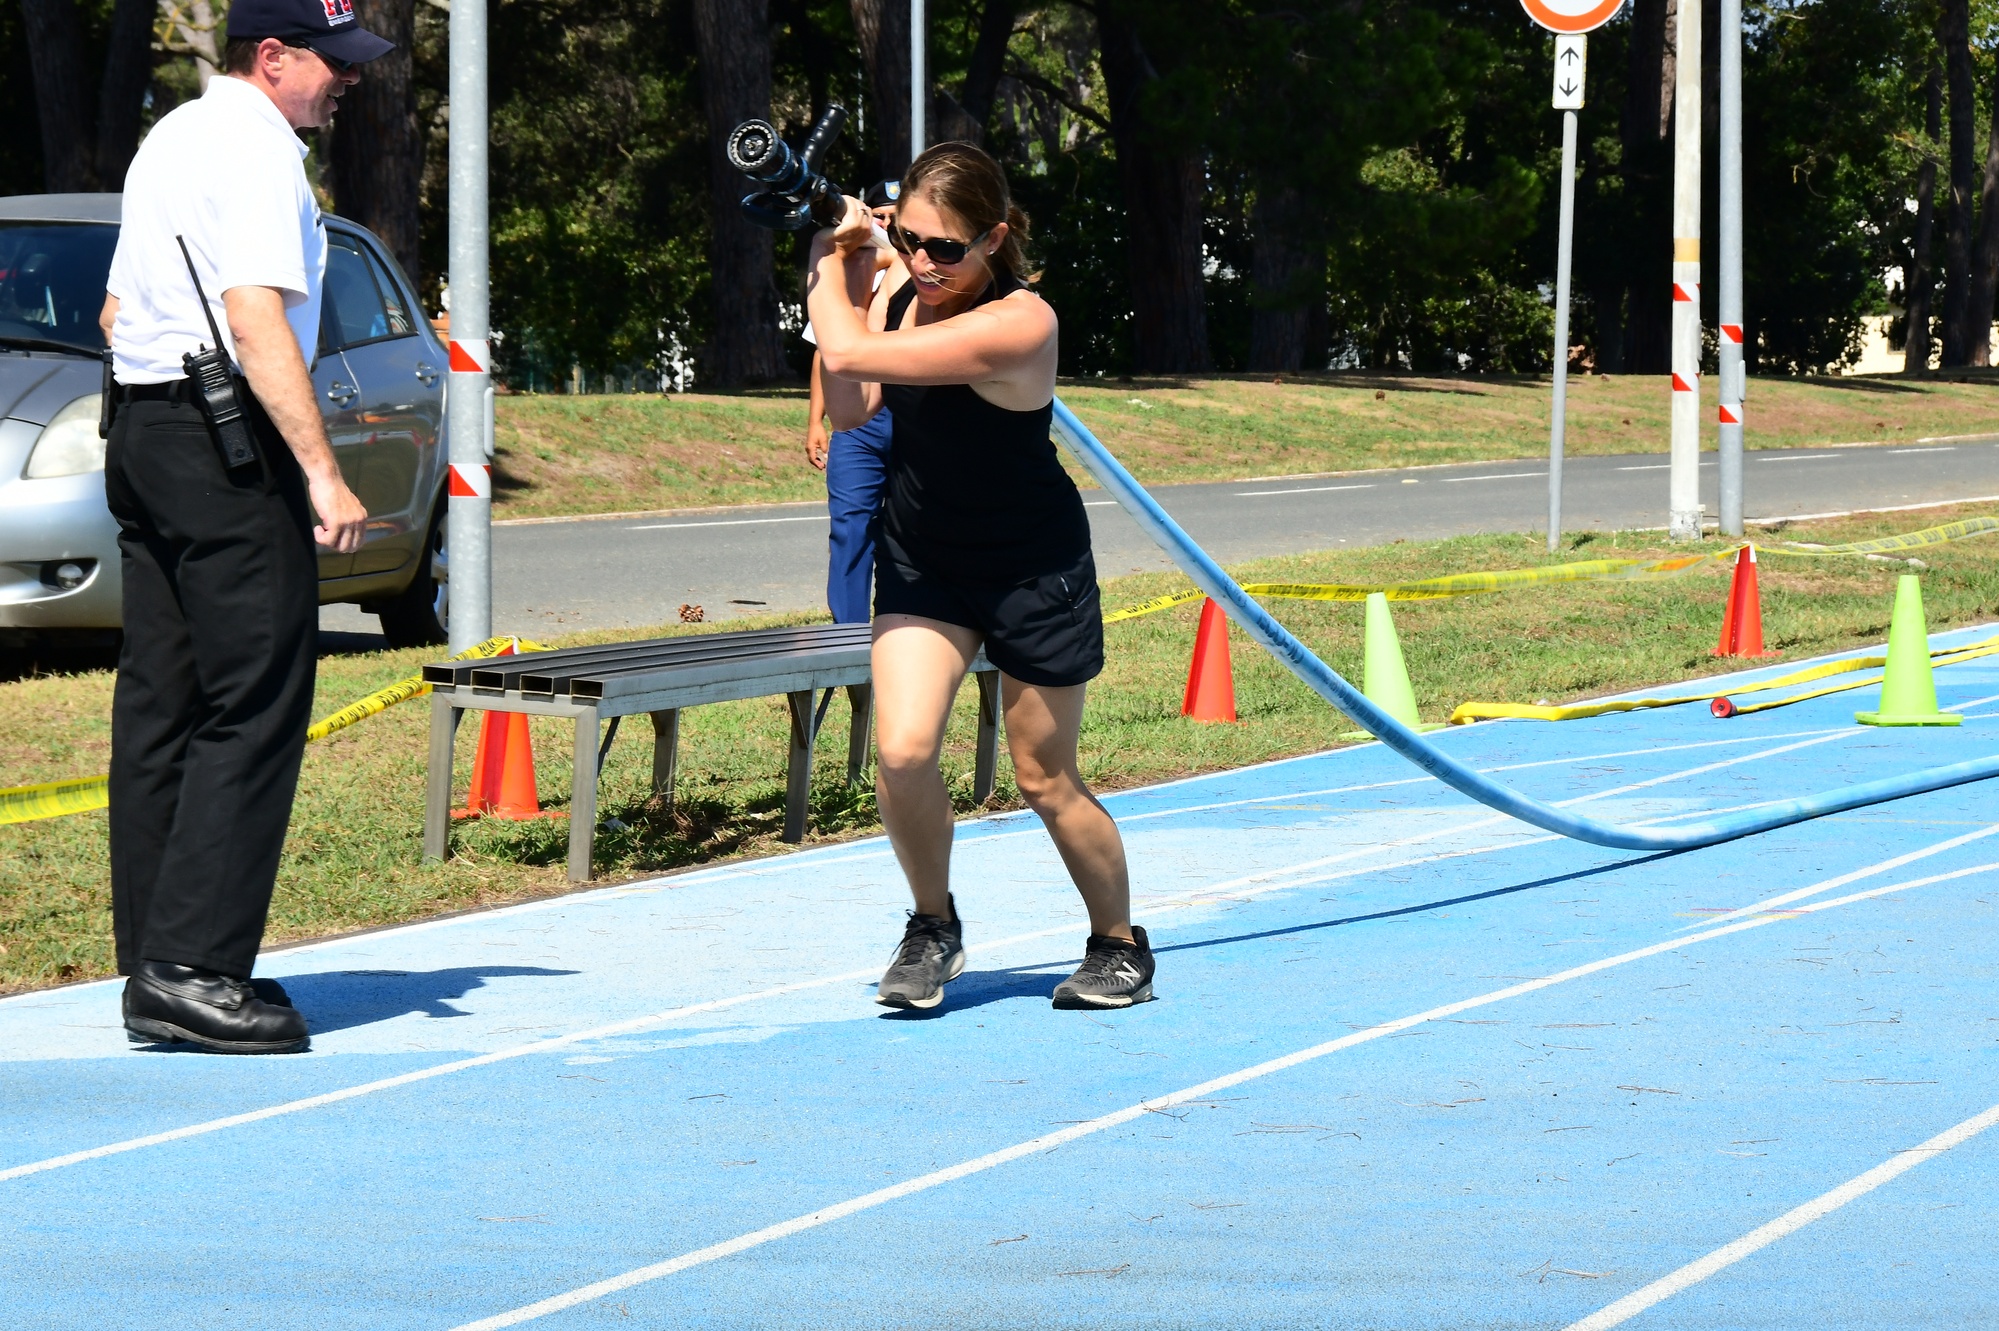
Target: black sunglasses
{"points": [[940, 250], [337, 66]]}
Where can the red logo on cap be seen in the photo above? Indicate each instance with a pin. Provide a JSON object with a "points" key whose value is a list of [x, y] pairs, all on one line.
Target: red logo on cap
{"points": [[338, 11]]}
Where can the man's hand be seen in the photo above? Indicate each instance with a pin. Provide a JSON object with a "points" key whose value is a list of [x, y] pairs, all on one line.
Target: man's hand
{"points": [[342, 519], [817, 441], [268, 351]]}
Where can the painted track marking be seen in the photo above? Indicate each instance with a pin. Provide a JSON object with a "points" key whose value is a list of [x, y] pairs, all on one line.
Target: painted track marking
{"points": [[1247, 886], [1784, 1225], [1050, 1141]]}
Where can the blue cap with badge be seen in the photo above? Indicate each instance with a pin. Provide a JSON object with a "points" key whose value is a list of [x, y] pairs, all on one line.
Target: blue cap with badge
{"points": [[326, 27]]}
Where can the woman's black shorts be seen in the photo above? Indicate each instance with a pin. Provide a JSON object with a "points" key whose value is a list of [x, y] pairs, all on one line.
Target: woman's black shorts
{"points": [[1047, 630]]}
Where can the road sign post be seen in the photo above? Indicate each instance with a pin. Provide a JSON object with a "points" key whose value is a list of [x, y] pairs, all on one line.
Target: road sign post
{"points": [[1729, 307], [1683, 491], [469, 489], [1569, 20]]}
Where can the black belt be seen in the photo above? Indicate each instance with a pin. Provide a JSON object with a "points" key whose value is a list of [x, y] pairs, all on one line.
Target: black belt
{"points": [[173, 390]]}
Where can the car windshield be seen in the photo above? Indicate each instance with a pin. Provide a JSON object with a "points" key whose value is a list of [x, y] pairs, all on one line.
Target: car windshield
{"points": [[52, 277]]}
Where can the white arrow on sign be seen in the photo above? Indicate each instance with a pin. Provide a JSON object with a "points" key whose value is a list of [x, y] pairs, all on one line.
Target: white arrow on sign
{"points": [[1572, 15], [1570, 64]]}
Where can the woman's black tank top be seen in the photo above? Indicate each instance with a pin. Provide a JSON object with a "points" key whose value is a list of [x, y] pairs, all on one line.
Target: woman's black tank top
{"points": [[976, 493]]}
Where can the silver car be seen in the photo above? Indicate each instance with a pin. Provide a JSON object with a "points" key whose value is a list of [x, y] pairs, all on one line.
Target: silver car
{"points": [[380, 380]]}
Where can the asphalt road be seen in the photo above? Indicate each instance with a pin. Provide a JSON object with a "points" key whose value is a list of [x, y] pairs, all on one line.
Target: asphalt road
{"points": [[635, 571]]}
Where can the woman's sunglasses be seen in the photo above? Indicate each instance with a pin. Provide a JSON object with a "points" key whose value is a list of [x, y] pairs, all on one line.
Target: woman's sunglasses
{"points": [[946, 252]]}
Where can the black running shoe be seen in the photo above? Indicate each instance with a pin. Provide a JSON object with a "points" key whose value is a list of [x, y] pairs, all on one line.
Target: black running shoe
{"points": [[932, 954], [1114, 973]]}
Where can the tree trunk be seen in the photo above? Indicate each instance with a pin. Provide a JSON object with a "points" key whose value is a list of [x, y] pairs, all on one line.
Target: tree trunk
{"points": [[128, 68], [734, 41], [377, 150], [883, 27], [1954, 35], [1985, 256], [62, 97], [1646, 130], [964, 116], [1921, 280], [1287, 277], [1163, 195]]}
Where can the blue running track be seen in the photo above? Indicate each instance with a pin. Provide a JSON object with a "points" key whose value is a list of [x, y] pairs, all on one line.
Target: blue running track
{"points": [[1413, 1065]]}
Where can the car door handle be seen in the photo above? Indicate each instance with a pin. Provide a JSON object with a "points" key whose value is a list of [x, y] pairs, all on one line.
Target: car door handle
{"points": [[426, 372], [340, 393]]}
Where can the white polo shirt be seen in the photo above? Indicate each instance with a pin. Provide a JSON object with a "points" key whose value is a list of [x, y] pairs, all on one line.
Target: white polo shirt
{"points": [[226, 172]]}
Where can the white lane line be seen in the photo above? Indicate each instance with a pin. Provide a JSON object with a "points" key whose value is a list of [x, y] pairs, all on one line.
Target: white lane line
{"points": [[1650, 466], [1946, 448], [732, 522], [1800, 457], [1502, 476], [1785, 1225], [1778, 902], [924, 1183], [1100, 503], [1257, 884], [1849, 512], [1308, 490]]}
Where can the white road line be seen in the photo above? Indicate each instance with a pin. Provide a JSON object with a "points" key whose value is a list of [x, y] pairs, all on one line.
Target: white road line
{"points": [[1502, 476], [1785, 1225], [1100, 503], [924, 1183], [1308, 490], [1249, 885], [1650, 466], [1849, 512], [1800, 457], [732, 522], [1947, 448]]}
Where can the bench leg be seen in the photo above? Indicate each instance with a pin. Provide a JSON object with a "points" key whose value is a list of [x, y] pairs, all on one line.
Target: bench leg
{"points": [[986, 774], [583, 797], [665, 752], [798, 774], [860, 697], [437, 785]]}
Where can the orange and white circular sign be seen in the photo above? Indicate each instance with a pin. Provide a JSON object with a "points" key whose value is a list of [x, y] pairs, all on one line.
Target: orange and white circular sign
{"points": [[1572, 15]]}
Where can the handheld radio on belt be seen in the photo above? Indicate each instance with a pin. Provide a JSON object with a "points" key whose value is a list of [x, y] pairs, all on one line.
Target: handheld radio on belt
{"points": [[215, 386]]}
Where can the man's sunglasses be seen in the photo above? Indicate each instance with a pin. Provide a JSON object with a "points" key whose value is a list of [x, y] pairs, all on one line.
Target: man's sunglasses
{"points": [[946, 252], [337, 66]]}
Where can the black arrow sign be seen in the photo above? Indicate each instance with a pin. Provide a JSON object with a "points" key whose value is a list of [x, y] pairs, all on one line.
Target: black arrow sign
{"points": [[1568, 89], [1569, 54]]}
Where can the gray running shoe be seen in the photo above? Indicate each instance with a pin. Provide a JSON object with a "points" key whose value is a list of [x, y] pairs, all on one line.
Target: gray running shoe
{"points": [[1114, 973], [932, 954]]}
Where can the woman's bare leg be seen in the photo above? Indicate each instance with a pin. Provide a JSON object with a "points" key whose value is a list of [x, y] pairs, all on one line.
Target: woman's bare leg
{"points": [[1041, 728], [918, 665]]}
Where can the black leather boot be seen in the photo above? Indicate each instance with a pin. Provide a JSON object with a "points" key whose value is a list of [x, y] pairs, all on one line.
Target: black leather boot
{"points": [[169, 1004]]}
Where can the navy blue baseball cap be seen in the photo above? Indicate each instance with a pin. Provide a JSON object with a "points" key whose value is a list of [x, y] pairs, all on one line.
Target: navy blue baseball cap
{"points": [[327, 27]]}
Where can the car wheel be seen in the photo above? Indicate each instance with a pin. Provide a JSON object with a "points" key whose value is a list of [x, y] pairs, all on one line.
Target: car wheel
{"points": [[419, 616]]}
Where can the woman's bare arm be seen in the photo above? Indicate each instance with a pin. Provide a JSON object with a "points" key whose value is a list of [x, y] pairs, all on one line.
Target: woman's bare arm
{"points": [[1008, 344], [849, 402]]}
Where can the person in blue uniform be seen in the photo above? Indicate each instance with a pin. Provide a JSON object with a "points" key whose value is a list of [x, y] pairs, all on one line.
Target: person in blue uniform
{"points": [[856, 465], [983, 542]]}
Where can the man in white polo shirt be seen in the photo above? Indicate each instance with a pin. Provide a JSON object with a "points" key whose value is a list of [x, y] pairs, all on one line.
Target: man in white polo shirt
{"points": [[221, 604]]}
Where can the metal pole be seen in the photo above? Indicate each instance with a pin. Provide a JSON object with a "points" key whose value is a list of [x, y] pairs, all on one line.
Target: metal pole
{"points": [[1558, 425], [469, 502], [1734, 382], [918, 76], [1683, 506]]}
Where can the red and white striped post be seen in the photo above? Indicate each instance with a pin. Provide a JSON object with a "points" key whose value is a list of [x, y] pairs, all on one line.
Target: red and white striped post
{"points": [[1683, 504]]}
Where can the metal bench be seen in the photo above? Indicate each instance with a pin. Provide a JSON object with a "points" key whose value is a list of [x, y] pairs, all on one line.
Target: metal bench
{"points": [[659, 677]]}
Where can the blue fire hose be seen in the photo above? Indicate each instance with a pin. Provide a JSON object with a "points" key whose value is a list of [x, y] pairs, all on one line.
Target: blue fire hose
{"points": [[1327, 683]]}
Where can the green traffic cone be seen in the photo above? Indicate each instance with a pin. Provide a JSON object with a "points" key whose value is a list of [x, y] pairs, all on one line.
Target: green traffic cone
{"points": [[1908, 686], [1384, 676]]}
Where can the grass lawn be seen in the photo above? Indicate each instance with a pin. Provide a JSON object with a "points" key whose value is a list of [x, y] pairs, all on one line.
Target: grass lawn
{"points": [[567, 455], [352, 859]]}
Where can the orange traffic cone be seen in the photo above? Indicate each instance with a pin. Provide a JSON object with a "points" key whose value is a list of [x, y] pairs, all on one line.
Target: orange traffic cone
{"points": [[503, 771], [1210, 682], [1742, 621]]}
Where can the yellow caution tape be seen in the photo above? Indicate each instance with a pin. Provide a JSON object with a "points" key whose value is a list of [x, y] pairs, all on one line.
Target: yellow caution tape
{"points": [[1492, 711], [1589, 570], [1452, 584], [54, 799], [1949, 531]]}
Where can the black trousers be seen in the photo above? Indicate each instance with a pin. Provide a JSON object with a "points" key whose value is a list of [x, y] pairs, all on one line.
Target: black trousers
{"points": [[214, 687]]}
